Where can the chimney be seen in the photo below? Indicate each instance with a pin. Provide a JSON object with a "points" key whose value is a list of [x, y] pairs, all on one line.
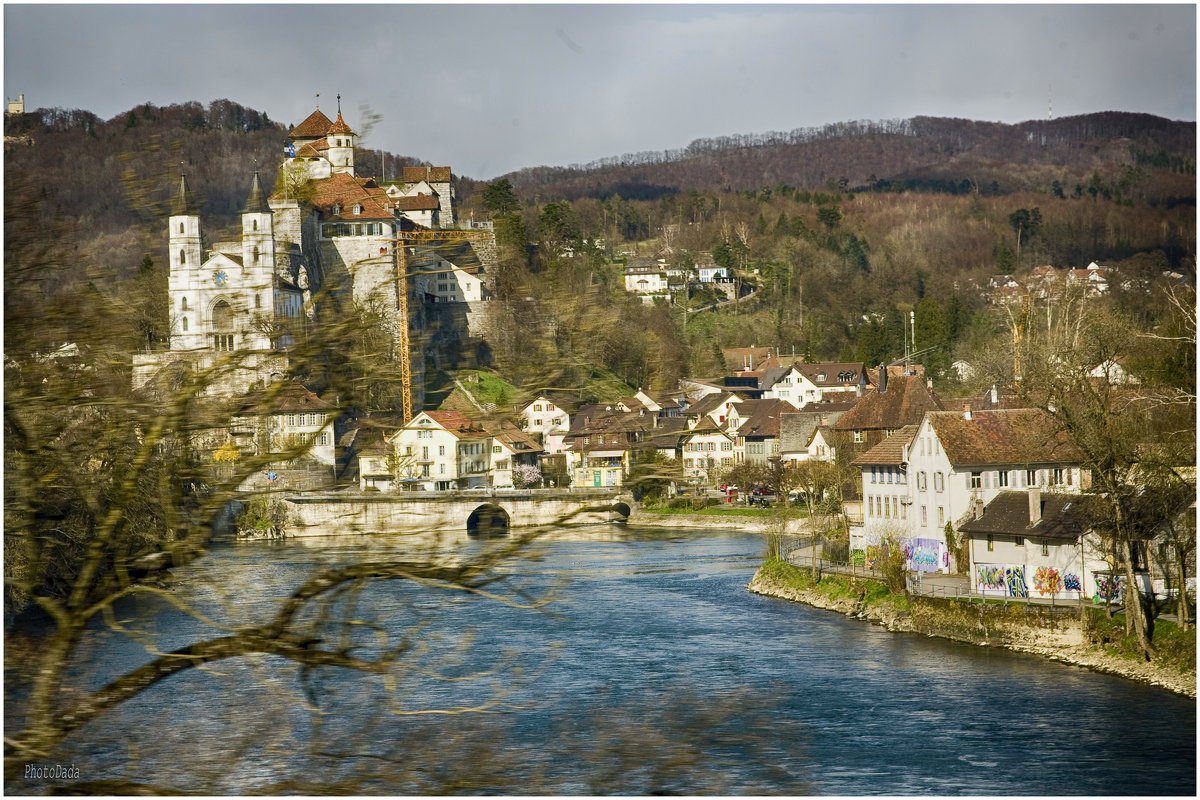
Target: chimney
{"points": [[883, 376], [1035, 505], [995, 395], [929, 384], [967, 412]]}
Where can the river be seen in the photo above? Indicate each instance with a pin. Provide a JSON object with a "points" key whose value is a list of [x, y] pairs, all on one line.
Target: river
{"points": [[652, 652]]}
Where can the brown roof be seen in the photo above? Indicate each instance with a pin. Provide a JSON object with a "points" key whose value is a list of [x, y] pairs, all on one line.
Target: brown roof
{"points": [[420, 202], [1010, 436], [1062, 517], [314, 127], [430, 174], [344, 190], [291, 397], [340, 126], [763, 417], [891, 450], [456, 422], [903, 403]]}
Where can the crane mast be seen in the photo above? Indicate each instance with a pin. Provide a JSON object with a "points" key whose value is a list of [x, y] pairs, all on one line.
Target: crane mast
{"points": [[402, 239]]}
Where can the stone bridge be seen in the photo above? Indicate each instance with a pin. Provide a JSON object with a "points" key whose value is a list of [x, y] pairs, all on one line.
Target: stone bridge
{"points": [[475, 511]]}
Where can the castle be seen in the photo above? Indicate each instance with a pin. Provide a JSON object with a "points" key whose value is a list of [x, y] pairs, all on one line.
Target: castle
{"points": [[324, 229]]}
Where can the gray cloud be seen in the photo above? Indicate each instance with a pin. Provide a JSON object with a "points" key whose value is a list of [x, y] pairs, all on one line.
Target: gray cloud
{"points": [[492, 88]]}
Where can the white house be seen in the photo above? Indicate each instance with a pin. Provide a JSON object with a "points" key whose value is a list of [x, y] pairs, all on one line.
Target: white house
{"points": [[446, 450], [949, 464], [549, 418], [1035, 544]]}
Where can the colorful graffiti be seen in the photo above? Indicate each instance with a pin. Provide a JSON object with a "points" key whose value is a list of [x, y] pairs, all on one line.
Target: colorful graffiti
{"points": [[873, 555], [1108, 587], [1072, 583], [923, 555], [1047, 581], [1016, 582], [989, 577]]}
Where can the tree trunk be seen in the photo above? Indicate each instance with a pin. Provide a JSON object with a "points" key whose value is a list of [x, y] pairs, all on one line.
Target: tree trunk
{"points": [[1135, 612], [1184, 608]]}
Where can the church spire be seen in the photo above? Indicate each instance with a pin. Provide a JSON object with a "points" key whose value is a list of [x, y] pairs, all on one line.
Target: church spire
{"points": [[256, 203], [185, 202]]}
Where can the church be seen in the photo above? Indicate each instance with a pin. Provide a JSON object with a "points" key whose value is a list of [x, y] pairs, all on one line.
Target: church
{"points": [[324, 228]]}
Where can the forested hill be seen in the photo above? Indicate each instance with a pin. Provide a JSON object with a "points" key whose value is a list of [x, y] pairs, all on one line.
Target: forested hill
{"points": [[114, 177], [923, 153]]}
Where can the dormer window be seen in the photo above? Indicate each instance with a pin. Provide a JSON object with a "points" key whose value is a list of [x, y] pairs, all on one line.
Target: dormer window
{"points": [[337, 209], [357, 209]]}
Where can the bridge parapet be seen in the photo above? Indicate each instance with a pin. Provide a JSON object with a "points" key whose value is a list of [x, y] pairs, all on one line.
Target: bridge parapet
{"points": [[336, 513]]}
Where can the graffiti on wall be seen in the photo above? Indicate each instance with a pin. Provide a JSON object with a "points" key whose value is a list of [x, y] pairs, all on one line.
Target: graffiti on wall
{"points": [[1047, 581], [1108, 587], [1072, 583], [923, 555], [989, 577], [1016, 582]]}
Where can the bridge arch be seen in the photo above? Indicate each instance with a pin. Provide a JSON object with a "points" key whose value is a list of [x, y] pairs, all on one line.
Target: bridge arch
{"points": [[622, 511], [488, 519]]}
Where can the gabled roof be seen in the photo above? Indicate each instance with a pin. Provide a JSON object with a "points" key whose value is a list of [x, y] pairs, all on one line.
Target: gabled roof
{"points": [[290, 398], [905, 402], [1062, 517], [891, 451], [821, 373], [1016, 436], [314, 126], [562, 400], [796, 427], [710, 402], [455, 422], [430, 174], [762, 417], [418, 202], [344, 191]]}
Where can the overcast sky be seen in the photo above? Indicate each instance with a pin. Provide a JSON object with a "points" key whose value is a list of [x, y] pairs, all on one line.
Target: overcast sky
{"points": [[487, 89]]}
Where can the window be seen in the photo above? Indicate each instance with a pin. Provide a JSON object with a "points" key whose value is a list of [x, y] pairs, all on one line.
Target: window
{"points": [[254, 225], [921, 481], [1057, 478], [223, 342], [858, 437], [181, 227], [991, 542], [870, 505], [976, 480], [726, 445], [183, 304], [182, 257], [1019, 541], [1002, 478], [441, 449], [185, 323], [1045, 547], [537, 407], [874, 477], [941, 516], [424, 453], [496, 448], [537, 422], [258, 301], [1031, 477], [254, 255], [939, 482], [924, 515]]}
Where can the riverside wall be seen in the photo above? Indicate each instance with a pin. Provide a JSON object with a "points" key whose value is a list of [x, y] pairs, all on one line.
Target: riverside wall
{"points": [[1054, 633]]}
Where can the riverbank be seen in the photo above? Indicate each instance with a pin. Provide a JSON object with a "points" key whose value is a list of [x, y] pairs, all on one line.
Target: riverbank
{"points": [[1058, 640], [759, 522]]}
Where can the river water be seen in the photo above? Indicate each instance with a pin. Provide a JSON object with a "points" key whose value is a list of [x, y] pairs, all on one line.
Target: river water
{"points": [[652, 653]]}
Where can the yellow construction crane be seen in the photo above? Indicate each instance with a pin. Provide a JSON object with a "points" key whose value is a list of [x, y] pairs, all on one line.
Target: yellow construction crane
{"points": [[402, 239]]}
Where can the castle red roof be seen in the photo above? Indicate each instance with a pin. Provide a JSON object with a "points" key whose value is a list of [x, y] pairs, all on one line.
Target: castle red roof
{"points": [[314, 127]]}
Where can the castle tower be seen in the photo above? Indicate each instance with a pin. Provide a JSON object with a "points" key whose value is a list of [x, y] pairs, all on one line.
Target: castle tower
{"points": [[258, 259], [186, 258], [341, 143]]}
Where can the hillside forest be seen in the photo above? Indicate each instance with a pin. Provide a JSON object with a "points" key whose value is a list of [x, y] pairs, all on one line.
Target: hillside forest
{"points": [[836, 234]]}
